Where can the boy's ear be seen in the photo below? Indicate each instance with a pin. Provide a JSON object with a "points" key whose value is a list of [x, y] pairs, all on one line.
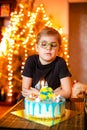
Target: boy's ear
{"points": [[36, 48]]}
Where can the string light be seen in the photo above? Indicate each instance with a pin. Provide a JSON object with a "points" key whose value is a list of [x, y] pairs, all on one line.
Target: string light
{"points": [[13, 38]]}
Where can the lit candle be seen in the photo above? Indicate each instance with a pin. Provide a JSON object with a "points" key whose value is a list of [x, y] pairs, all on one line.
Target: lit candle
{"points": [[42, 83]]}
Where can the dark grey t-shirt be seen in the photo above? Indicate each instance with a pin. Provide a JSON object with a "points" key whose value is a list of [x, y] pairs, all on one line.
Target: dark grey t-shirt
{"points": [[51, 73]]}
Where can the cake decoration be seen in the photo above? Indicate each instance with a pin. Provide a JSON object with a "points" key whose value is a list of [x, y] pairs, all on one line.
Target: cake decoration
{"points": [[45, 105], [46, 93]]}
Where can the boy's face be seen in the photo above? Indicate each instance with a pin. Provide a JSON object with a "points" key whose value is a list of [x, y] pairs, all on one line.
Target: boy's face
{"points": [[47, 48]]}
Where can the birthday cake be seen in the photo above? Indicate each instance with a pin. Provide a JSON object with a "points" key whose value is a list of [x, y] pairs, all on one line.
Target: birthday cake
{"points": [[46, 105]]}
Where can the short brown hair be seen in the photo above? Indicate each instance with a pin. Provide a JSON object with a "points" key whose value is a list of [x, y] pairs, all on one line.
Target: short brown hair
{"points": [[49, 31]]}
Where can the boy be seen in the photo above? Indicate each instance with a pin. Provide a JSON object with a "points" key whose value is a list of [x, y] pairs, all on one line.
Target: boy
{"points": [[47, 66]]}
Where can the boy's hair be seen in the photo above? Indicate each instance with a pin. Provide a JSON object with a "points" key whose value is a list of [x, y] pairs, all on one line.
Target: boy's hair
{"points": [[49, 31]]}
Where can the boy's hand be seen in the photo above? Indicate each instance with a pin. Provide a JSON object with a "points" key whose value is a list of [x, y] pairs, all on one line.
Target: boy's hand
{"points": [[31, 91]]}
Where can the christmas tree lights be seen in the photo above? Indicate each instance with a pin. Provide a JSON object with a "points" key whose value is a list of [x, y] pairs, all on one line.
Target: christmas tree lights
{"points": [[19, 41]]}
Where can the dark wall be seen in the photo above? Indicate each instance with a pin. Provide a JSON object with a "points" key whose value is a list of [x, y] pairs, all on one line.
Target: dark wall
{"points": [[78, 41]]}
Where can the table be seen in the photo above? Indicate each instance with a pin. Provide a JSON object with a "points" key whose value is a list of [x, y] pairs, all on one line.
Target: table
{"points": [[10, 121]]}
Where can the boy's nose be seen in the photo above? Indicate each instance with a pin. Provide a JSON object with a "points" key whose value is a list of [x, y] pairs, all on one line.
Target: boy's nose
{"points": [[49, 46]]}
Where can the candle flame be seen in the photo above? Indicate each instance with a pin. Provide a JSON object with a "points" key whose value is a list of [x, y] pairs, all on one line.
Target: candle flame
{"points": [[42, 83]]}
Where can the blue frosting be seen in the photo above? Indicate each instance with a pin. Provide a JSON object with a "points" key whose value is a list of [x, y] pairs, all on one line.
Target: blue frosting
{"points": [[40, 105]]}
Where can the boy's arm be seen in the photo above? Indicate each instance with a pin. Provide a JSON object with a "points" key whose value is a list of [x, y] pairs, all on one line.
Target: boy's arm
{"points": [[26, 87], [66, 88]]}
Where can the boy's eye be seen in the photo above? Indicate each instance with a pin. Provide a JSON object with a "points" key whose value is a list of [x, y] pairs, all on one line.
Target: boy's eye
{"points": [[44, 43], [53, 44]]}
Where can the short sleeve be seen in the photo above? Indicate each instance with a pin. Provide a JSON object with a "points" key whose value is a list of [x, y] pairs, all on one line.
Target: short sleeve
{"points": [[28, 68], [63, 69]]}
